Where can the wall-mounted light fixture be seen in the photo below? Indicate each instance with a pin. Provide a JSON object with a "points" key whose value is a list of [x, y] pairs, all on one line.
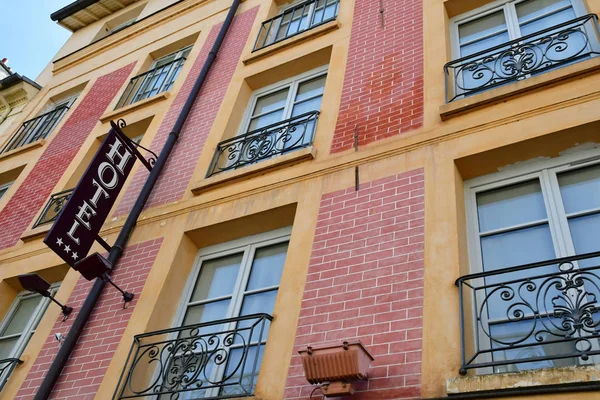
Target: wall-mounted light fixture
{"points": [[37, 284], [95, 266]]}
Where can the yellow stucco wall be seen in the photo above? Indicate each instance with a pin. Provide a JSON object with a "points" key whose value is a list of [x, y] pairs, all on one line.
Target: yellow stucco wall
{"points": [[447, 150]]}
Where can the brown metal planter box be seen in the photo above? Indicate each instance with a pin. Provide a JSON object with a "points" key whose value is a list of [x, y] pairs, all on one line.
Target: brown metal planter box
{"points": [[336, 365]]}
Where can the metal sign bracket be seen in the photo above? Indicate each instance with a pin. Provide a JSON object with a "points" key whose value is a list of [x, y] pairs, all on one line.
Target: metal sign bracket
{"points": [[133, 146]]}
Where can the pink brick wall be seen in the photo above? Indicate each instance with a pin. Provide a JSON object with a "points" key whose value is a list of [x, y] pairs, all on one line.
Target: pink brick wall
{"points": [[37, 187], [365, 281], [184, 158], [383, 84], [81, 377]]}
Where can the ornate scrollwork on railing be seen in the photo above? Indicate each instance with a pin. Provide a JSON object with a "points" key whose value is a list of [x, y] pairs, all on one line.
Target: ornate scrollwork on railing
{"points": [[53, 207], [295, 20], [217, 359], [541, 51], [151, 83], [536, 315], [264, 143], [7, 365], [35, 129]]}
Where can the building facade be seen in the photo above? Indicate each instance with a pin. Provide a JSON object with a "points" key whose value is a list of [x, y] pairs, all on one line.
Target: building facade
{"points": [[422, 177]]}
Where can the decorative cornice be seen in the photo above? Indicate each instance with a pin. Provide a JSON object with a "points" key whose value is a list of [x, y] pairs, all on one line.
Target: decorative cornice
{"points": [[143, 25]]}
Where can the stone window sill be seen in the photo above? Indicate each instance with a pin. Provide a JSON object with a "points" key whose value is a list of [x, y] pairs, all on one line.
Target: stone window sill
{"points": [[480, 100], [36, 233], [522, 380], [275, 163], [22, 149], [116, 114], [275, 48]]}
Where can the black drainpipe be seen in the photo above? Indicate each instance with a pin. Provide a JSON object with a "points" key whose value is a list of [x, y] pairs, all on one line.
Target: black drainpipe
{"points": [[88, 306]]}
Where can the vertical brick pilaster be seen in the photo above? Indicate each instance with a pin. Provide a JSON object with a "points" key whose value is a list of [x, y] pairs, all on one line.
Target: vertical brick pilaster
{"points": [[36, 189], [365, 281], [184, 158], [83, 373], [383, 83]]}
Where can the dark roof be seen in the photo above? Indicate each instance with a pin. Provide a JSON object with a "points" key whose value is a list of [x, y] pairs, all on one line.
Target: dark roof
{"points": [[16, 78], [71, 9]]}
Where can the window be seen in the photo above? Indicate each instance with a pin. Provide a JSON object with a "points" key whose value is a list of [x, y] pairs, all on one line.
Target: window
{"points": [[19, 325], [158, 79], [41, 126], [480, 39], [236, 279], [285, 100], [280, 118], [296, 18], [4, 188], [527, 216]]}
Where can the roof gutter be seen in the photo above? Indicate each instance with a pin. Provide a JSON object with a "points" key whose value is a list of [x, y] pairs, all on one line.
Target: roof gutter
{"points": [[45, 389], [71, 9]]}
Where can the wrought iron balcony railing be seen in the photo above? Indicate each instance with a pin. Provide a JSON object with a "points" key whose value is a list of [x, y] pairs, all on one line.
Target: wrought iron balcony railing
{"points": [[53, 207], [6, 368], [273, 140], [151, 83], [544, 314], [35, 129], [296, 20], [551, 48], [212, 360]]}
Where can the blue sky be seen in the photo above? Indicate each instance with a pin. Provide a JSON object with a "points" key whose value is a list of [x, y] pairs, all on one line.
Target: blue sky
{"points": [[28, 37]]}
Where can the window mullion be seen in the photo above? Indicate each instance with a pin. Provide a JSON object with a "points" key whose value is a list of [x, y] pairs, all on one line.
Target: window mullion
{"points": [[289, 104], [512, 21], [562, 222]]}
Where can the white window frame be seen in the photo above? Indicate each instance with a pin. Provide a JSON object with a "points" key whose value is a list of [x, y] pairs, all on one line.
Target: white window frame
{"points": [[3, 187], [248, 245], [510, 14], [140, 93], [32, 324], [546, 172], [293, 84]]}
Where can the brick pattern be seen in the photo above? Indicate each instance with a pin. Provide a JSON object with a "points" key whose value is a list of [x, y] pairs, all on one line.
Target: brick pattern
{"points": [[184, 158], [365, 281], [383, 83], [81, 377], [37, 187]]}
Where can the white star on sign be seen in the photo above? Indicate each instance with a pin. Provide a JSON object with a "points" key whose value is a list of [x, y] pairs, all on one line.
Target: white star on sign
{"points": [[75, 256], [59, 241], [67, 249]]}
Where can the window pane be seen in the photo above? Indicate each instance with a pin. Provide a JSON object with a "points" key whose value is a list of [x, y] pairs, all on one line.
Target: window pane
{"points": [[518, 247], [307, 106], [484, 26], [513, 205], [267, 266], [6, 347], [536, 8], [584, 231], [263, 302], [3, 191], [243, 370], [484, 44], [265, 120], [549, 22], [580, 189], [217, 277], [205, 313], [22, 315], [270, 102], [515, 332], [311, 88]]}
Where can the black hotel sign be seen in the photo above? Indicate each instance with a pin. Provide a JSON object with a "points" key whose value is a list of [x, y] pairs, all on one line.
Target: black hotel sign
{"points": [[80, 221]]}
